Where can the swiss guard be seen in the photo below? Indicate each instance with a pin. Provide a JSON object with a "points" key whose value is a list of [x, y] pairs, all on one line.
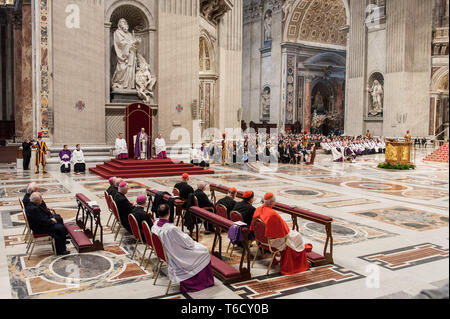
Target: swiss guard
{"points": [[41, 151]]}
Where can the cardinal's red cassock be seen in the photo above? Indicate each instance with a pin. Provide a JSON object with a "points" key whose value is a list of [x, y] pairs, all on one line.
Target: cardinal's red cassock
{"points": [[289, 242]]}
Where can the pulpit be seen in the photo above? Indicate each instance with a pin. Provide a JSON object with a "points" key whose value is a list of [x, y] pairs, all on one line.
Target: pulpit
{"points": [[398, 152]]}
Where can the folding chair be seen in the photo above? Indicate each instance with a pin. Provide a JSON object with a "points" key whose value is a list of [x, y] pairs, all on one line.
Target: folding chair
{"points": [[259, 229], [120, 227], [148, 242], [162, 256], [108, 203], [136, 232]]}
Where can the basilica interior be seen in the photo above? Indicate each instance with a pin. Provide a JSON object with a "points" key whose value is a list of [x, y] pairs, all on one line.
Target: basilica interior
{"points": [[342, 88]]}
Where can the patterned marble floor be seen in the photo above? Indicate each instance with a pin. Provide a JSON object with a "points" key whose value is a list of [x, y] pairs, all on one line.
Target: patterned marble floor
{"points": [[390, 230]]}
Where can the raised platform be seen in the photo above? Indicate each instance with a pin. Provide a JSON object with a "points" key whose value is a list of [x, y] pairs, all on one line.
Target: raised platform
{"points": [[150, 168]]}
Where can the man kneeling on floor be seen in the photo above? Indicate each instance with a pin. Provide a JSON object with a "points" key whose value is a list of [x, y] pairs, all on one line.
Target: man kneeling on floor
{"points": [[42, 223], [288, 242], [189, 262]]}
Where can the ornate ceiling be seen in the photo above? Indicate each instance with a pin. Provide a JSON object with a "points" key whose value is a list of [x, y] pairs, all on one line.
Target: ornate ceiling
{"points": [[317, 21]]}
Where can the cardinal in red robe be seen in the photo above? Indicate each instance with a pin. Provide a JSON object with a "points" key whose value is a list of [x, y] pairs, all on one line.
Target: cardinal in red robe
{"points": [[289, 242]]}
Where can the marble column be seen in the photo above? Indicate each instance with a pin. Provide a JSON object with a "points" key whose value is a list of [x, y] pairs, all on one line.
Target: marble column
{"points": [[432, 112], [27, 80], [18, 77], [307, 111]]}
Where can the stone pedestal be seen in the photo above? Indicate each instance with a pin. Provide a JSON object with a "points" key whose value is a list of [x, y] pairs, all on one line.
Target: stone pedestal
{"points": [[125, 96]]}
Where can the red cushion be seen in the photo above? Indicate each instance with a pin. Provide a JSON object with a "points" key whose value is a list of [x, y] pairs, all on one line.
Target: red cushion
{"points": [[222, 267], [314, 215], [78, 236], [84, 201], [40, 235], [314, 256]]}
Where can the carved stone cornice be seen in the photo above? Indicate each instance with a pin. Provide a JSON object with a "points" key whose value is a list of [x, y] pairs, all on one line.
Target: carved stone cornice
{"points": [[214, 10]]}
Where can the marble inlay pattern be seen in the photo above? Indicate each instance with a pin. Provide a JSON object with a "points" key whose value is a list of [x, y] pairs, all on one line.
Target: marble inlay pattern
{"points": [[60, 200], [102, 186], [407, 256], [19, 191], [275, 286], [345, 203], [50, 275], [414, 219], [305, 193]]}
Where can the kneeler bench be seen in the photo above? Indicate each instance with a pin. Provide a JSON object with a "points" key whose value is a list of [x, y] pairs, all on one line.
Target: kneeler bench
{"points": [[86, 232], [225, 272], [296, 212]]}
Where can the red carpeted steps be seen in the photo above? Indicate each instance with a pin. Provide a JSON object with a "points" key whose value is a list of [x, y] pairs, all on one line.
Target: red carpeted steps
{"points": [[439, 155], [151, 168]]}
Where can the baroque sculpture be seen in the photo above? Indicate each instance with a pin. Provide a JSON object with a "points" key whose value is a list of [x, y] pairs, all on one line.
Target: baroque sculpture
{"points": [[132, 71], [265, 103], [268, 26], [377, 94]]}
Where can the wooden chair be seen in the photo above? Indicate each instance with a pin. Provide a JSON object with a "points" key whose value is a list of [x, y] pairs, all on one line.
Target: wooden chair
{"points": [[176, 193], [148, 242], [108, 203], [259, 229], [37, 238], [162, 256], [210, 209], [25, 229], [119, 224], [221, 210], [134, 225]]}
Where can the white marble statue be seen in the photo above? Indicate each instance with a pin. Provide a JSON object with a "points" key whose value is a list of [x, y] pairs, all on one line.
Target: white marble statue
{"points": [[265, 102], [125, 45], [145, 81], [377, 93], [268, 26]]}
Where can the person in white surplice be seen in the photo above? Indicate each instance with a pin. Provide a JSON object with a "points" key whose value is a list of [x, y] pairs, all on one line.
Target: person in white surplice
{"points": [[189, 262], [160, 147], [121, 147]]}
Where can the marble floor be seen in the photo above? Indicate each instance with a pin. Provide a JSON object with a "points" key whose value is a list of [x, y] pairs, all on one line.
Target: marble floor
{"points": [[390, 230]]}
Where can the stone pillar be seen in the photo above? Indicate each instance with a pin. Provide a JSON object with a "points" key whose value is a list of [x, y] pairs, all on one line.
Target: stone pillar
{"points": [[432, 112], [340, 102], [307, 111], [18, 77], [27, 81]]}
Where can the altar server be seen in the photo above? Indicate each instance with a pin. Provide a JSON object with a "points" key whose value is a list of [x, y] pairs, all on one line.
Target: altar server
{"points": [[160, 147], [65, 155], [189, 262], [289, 242], [79, 163], [121, 148]]}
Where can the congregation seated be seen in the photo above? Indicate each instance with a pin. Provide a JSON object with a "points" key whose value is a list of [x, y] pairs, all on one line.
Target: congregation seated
{"points": [[32, 188], [139, 212], [183, 187], [245, 207], [288, 242], [228, 201], [79, 163], [123, 205], [41, 221], [189, 262], [112, 189], [65, 156]]}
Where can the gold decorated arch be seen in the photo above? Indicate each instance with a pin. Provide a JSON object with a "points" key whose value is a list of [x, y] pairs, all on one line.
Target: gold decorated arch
{"points": [[317, 21]]}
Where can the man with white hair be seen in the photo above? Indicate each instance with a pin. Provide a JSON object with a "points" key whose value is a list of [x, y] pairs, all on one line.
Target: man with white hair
{"points": [[41, 223], [288, 242], [123, 205], [203, 202], [33, 187]]}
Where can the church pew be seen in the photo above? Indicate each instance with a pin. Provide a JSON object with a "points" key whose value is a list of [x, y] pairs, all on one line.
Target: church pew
{"points": [[83, 232], [296, 212], [151, 193], [222, 270]]}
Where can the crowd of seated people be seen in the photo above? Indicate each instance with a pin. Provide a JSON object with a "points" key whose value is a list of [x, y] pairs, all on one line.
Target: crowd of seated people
{"points": [[75, 157], [347, 149]]}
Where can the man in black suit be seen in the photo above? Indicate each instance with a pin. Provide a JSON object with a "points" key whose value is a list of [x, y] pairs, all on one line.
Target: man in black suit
{"points": [[123, 205], [26, 154], [228, 201], [246, 208], [140, 214], [41, 223], [33, 187], [183, 187], [202, 198], [112, 189]]}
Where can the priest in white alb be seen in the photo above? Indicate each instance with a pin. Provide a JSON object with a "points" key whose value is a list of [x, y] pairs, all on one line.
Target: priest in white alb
{"points": [[121, 147], [189, 262], [160, 147]]}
